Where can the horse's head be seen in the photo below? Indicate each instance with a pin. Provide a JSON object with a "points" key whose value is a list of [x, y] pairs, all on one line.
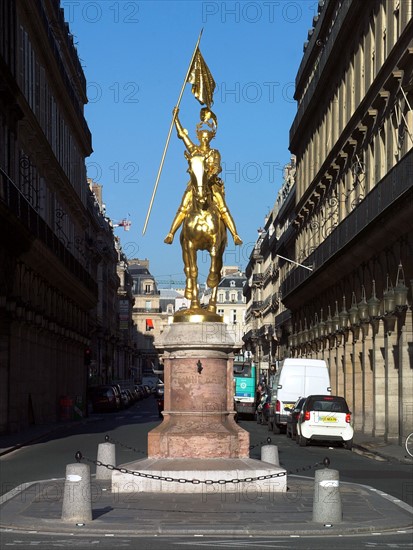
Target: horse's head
{"points": [[199, 178]]}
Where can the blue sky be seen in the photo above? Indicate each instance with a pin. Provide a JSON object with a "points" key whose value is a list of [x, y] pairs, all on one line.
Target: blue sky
{"points": [[135, 55]]}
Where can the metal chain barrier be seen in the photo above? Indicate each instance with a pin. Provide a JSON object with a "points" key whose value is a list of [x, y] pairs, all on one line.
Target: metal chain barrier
{"points": [[305, 468], [115, 441], [80, 457], [267, 442]]}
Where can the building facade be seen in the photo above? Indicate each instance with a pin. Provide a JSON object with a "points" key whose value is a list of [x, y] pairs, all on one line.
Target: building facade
{"points": [[268, 321], [231, 302], [147, 314], [353, 141], [113, 355], [62, 273], [47, 282]]}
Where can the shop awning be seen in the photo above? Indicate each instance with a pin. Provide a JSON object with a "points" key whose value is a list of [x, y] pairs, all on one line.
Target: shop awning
{"points": [[149, 324]]}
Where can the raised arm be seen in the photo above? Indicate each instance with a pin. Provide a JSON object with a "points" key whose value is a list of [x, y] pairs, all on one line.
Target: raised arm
{"points": [[182, 132]]}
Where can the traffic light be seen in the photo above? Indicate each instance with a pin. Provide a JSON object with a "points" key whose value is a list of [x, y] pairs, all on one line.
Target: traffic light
{"points": [[88, 356]]}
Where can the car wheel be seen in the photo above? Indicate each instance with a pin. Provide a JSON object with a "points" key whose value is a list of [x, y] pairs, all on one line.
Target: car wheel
{"points": [[302, 441], [348, 444]]}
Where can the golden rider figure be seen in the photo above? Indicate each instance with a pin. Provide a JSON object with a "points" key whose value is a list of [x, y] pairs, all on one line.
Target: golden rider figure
{"points": [[205, 131]]}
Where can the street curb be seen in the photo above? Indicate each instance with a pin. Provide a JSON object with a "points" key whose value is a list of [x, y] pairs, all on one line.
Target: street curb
{"points": [[54, 526], [377, 455]]}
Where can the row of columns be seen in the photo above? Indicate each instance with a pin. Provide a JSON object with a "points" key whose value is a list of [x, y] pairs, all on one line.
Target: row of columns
{"points": [[372, 368]]}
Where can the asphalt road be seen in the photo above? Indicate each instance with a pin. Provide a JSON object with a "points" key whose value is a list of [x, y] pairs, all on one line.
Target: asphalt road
{"points": [[392, 477], [51, 542], [47, 458]]}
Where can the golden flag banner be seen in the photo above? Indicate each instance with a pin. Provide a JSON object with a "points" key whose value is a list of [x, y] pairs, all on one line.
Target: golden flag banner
{"points": [[203, 84]]}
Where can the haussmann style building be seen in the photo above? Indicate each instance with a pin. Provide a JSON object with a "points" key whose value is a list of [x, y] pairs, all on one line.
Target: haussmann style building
{"points": [[60, 292], [352, 223]]}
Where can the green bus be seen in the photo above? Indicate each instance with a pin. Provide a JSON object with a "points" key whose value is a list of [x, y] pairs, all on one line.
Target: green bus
{"points": [[244, 386]]}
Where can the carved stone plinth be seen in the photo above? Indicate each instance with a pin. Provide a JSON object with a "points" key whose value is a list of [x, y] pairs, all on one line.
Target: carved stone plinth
{"points": [[198, 447], [198, 403]]}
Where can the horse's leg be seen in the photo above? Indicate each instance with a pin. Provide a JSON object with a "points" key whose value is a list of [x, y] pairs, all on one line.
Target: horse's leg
{"points": [[217, 253], [191, 272], [187, 270], [212, 305], [216, 265], [214, 274]]}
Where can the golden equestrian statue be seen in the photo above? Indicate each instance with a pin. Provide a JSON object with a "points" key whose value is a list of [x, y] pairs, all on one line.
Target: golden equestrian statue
{"points": [[203, 212]]}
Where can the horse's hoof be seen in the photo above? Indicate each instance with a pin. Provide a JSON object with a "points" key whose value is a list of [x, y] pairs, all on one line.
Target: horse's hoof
{"points": [[237, 240], [212, 280]]}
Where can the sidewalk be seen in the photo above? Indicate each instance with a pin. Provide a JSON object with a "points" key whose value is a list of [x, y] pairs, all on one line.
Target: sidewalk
{"points": [[38, 506]]}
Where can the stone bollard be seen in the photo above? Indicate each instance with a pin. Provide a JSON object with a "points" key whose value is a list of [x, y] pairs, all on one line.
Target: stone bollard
{"points": [[269, 453], [106, 455], [327, 499], [77, 501]]}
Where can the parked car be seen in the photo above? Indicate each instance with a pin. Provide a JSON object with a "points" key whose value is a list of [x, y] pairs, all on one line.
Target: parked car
{"points": [[148, 390], [160, 390], [125, 399], [135, 395], [296, 377], [131, 395], [292, 419], [160, 403], [263, 407], [144, 391], [104, 398], [325, 418], [139, 391]]}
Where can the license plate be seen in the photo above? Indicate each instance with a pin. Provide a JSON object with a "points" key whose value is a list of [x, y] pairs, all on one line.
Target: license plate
{"points": [[328, 418]]}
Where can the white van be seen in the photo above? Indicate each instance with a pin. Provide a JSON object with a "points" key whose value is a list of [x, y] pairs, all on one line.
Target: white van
{"points": [[296, 378]]}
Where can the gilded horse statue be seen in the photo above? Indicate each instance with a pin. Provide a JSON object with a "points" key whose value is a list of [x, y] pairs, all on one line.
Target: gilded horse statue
{"points": [[203, 213]]}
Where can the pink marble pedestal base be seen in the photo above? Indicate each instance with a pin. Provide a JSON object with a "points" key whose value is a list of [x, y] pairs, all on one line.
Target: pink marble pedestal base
{"points": [[198, 447], [198, 403]]}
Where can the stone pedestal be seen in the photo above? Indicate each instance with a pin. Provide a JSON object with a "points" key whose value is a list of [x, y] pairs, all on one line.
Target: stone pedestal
{"points": [[198, 438], [198, 402]]}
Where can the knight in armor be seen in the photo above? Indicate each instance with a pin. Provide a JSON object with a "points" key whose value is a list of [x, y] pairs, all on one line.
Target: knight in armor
{"points": [[205, 131]]}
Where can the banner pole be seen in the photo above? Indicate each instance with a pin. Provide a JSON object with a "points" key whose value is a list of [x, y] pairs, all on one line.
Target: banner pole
{"points": [[169, 134]]}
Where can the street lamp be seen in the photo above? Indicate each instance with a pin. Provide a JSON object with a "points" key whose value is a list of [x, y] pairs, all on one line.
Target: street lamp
{"points": [[363, 307], [353, 311], [344, 315], [329, 322], [400, 290], [389, 300], [321, 327], [373, 303], [336, 319]]}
